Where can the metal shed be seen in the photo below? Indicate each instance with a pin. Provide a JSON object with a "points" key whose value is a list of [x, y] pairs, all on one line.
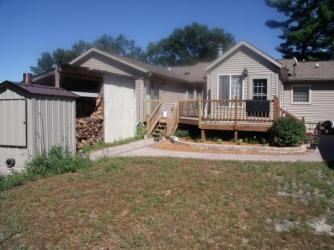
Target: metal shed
{"points": [[33, 118]]}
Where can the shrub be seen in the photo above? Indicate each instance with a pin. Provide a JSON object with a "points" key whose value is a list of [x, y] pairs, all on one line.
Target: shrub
{"points": [[56, 161], [182, 133], [141, 131], [287, 132]]}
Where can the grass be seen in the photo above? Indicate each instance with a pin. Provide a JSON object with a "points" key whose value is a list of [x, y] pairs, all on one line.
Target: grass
{"points": [[167, 203], [56, 161]]}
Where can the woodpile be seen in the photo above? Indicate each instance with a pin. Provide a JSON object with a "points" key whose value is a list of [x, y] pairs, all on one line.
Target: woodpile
{"points": [[98, 113], [89, 130]]}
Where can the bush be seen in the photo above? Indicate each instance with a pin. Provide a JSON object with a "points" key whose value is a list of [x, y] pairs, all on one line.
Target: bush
{"points": [[141, 131], [182, 133], [287, 132], [56, 161]]}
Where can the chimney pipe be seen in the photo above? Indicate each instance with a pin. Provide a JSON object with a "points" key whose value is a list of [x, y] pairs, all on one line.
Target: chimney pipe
{"points": [[220, 50], [27, 78]]}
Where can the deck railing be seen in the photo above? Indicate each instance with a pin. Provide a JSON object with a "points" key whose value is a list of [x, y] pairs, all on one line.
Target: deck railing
{"points": [[149, 107], [226, 110], [285, 113], [189, 108], [153, 117], [172, 120], [233, 110]]}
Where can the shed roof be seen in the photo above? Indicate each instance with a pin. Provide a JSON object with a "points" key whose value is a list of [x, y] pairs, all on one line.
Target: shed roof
{"points": [[37, 89]]}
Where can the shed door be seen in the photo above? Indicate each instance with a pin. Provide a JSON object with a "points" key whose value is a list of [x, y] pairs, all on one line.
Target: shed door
{"points": [[13, 123]]}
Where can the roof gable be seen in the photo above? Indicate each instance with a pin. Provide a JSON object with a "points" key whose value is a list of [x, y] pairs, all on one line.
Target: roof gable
{"points": [[119, 59], [239, 46], [188, 74]]}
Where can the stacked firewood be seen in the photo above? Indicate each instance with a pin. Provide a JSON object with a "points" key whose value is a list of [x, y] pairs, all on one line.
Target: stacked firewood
{"points": [[98, 113], [89, 130]]}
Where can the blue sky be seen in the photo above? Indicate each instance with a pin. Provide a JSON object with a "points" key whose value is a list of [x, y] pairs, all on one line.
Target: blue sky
{"points": [[30, 27]]}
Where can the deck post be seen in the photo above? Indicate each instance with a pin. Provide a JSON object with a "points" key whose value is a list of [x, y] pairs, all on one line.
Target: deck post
{"points": [[199, 110], [275, 108], [235, 118], [203, 137], [235, 135]]}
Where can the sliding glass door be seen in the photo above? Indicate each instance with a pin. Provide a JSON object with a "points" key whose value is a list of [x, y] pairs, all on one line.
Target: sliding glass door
{"points": [[229, 87]]}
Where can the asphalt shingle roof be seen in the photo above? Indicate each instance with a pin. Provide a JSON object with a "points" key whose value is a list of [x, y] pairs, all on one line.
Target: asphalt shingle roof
{"points": [[309, 70], [43, 90]]}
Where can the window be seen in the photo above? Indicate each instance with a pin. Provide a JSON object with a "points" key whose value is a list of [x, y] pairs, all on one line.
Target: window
{"points": [[301, 94], [230, 86], [154, 90], [260, 89]]}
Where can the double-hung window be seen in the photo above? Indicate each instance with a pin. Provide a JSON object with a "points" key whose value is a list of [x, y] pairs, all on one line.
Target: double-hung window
{"points": [[301, 94], [230, 86]]}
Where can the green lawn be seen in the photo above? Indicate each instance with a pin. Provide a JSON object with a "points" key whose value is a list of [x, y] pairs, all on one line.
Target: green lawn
{"points": [[165, 203]]}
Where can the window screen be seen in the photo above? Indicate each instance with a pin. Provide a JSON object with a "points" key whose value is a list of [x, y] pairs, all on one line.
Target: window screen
{"points": [[301, 94], [260, 89]]}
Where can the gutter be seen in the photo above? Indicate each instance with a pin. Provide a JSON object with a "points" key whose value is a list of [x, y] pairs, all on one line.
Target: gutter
{"points": [[300, 80]]}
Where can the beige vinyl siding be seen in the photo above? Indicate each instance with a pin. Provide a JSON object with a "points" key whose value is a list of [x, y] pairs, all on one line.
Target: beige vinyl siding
{"points": [[170, 92], [104, 64], [236, 63], [321, 106]]}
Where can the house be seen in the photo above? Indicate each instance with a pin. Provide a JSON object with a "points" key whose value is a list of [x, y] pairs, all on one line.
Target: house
{"points": [[244, 89]]}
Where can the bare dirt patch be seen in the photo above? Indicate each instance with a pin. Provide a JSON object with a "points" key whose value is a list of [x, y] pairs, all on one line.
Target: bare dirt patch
{"points": [[167, 145]]}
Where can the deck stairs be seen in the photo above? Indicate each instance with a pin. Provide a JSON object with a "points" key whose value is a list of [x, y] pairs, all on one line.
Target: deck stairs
{"points": [[159, 130]]}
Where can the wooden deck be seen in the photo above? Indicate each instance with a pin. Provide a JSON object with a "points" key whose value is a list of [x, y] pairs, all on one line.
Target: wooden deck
{"points": [[226, 125], [229, 115]]}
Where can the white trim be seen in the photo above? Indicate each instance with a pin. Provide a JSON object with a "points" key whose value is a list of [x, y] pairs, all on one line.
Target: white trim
{"points": [[110, 56], [230, 82], [309, 94], [251, 79], [86, 94], [236, 47]]}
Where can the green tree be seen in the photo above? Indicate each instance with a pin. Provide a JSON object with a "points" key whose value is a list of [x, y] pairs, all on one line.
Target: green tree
{"points": [[120, 45], [188, 45], [307, 31], [44, 63]]}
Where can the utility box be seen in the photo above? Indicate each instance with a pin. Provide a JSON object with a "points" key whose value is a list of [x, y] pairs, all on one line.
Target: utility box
{"points": [[33, 118]]}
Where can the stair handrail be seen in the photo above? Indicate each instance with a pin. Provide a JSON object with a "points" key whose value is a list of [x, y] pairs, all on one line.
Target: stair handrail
{"points": [[172, 120], [285, 113], [153, 118]]}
